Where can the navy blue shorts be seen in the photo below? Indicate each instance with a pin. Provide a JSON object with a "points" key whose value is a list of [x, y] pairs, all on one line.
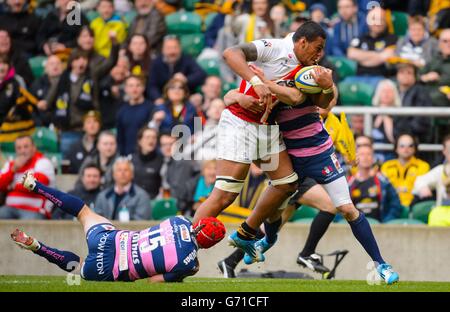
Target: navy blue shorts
{"points": [[99, 263], [323, 168]]}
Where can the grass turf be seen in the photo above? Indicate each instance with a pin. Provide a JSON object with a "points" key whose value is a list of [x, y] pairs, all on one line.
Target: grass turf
{"points": [[192, 284]]}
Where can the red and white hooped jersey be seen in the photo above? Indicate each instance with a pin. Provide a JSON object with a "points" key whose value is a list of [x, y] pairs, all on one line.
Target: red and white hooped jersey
{"points": [[277, 59]]}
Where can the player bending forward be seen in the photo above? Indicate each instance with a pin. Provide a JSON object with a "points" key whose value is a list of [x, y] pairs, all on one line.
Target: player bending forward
{"points": [[164, 253]]}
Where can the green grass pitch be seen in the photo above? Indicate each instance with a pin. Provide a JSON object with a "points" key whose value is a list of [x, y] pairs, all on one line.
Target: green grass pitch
{"points": [[192, 284]]}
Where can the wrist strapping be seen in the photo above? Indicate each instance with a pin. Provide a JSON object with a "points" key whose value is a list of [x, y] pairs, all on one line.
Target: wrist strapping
{"points": [[328, 91], [256, 81]]}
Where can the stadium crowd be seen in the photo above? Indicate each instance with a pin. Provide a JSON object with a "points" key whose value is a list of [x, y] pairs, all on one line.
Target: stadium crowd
{"points": [[95, 88]]}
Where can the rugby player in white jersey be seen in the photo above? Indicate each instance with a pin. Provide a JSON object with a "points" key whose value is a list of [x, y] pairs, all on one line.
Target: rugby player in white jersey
{"points": [[243, 137]]}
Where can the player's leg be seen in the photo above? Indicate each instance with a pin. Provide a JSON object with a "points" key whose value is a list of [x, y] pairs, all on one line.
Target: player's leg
{"points": [[66, 260], [282, 186], [340, 195], [66, 202], [229, 183]]}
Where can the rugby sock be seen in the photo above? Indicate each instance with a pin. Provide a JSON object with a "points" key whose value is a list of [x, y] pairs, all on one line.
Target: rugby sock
{"points": [[236, 257], [318, 228], [66, 202], [363, 233], [66, 260], [245, 232], [272, 230]]}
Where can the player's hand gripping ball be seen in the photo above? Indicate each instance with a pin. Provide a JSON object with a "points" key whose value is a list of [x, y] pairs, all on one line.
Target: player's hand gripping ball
{"points": [[304, 81], [209, 231]]}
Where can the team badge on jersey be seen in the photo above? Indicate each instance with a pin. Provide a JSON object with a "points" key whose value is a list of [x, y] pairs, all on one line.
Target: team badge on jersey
{"points": [[327, 170]]}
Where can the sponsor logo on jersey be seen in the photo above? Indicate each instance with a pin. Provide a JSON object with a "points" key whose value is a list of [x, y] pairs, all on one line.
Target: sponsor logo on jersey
{"points": [[336, 163], [267, 44], [123, 256], [185, 235], [134, 248], [191, 257], [100, 253]]}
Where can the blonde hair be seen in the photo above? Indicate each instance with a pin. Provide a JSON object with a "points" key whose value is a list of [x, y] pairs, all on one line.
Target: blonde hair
{"points": [[377, 95]]}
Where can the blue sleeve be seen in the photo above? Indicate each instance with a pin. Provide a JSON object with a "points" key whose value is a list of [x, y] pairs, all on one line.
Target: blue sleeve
{"points": [[336, 49], [391, 203], [120, 132], [153, 89], [213, 30], [196, 75]]}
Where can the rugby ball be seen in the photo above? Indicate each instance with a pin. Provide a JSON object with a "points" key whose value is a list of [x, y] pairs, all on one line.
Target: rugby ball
{"points": [[304, 81]]}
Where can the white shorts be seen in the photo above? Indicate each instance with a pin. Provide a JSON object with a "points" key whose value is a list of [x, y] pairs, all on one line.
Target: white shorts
{"points": [[242, 141]]}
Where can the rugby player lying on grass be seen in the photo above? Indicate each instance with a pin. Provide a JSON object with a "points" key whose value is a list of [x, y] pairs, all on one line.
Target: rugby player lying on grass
{"points": [[164, 253]]}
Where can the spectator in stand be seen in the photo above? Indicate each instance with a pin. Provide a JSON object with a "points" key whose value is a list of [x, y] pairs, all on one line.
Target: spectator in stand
{"points": [[437, 13], [172, 63], [41, 88], [417, 46], [22, 24], [204, 185], [176, 174], [87, 190], [104, 25], [20, 203], [386, 95], [124, 200], [211, 90], [352, 24], [203, 144], [280, 20], [57, 31], [103, 157], [132, 115], [9, 87], [254, 25], [17, 59], [86, 145], [371, 192], [372, 50], [403, 171], [112, 92], [357, 124], [147, 161], [436, 180], [138, 54], [412, 94], [72, 98], [98, 65], [440, 215], [176, 110], [436, 73], [149, 22]]}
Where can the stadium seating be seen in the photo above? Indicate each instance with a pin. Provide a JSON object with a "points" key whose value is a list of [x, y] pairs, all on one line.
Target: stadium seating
{"points": [[399, 22], [227, 86], [192, 44], [355, 93], [46, 140], [304, 212], [405, 221], [344, 66], [164, 208], [37, 65], [405, 212], [180, 23], [421, 210], [189, 5], [91, 15], [210, 66]]}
